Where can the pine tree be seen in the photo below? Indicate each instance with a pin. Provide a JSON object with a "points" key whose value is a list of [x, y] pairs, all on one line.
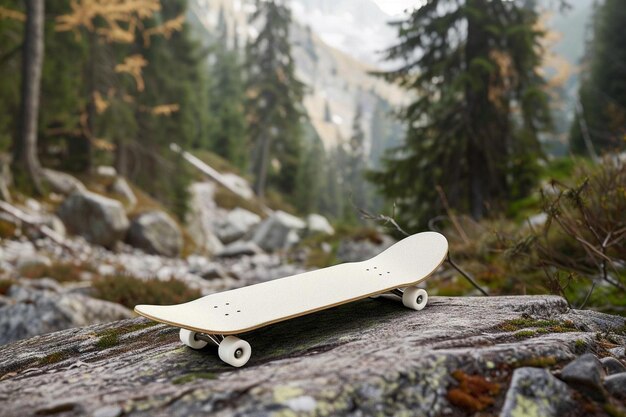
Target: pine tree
{"points": [[228, 131], [171, 109], [601, 116], [473, 130], [310, 177], [274, 100]]}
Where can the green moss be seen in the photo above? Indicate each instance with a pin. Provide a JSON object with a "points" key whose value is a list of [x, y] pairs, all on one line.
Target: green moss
{"points": [[192, 377], [525, 334], [540, 326], [108, 340], [130, 291]]}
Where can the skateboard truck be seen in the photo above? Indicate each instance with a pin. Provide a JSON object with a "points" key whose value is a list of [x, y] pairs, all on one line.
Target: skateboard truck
{"points": [[232, 350]]}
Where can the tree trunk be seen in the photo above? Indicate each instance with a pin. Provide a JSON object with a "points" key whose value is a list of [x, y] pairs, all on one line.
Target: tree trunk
{"points": [[25, 151], [261, 177]]}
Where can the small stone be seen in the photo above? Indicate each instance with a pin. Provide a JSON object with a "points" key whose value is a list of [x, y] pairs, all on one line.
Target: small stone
{"points": [[612, 366], [534, 391], [585, 375], [105, 171], [616, 385], [618, 352], [121, 189], [109, 411], [240, 248]]}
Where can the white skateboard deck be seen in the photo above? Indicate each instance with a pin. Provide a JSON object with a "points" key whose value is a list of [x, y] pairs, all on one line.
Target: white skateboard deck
{"points": [[406, 263]]}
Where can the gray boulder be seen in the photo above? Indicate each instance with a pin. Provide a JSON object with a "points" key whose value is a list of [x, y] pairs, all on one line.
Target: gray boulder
{"points": [[534, 391], [98, 219], [367, 358], [318, 224], [121, 189], [201, 217], [41, 307], [61, 182], [585, 374], [237, 223], [157, 233], [612, 366], [279, 231]]}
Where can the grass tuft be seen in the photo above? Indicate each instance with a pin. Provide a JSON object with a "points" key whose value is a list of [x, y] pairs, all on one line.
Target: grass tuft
{"points": [[130, 291]]}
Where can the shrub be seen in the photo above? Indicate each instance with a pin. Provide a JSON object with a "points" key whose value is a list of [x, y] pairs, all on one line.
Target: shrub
{"points": [[130, 291], [5, 284], [582, 246], [61, 272]]}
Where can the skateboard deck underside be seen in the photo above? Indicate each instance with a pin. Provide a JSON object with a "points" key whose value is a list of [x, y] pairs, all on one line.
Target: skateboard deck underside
{"points": [[407, 262]]}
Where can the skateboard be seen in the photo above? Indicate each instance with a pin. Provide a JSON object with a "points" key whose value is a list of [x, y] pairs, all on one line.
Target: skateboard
{"points": [[217, 318]]}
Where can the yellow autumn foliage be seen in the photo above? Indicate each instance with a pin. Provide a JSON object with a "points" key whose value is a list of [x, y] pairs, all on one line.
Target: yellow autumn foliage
{"points": [[133, 65], [166, 29], [11, 14]]}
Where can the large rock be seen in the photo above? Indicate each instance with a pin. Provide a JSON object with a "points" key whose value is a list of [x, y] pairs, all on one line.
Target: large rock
{"points": [[237, 223], [98, 219], [61, 182], [370, 357], [157, 233], [201, 217], [279, 231], [42, 307]]}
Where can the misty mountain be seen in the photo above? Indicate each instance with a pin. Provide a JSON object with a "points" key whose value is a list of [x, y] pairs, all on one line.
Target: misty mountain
{"points": [[336, 82]]}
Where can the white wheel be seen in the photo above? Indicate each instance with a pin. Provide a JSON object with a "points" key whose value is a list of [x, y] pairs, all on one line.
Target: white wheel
{"points": [[415, 298], [189, 339], [234, 351]]}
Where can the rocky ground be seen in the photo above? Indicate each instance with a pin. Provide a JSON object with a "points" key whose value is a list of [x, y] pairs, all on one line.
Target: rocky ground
{"points": [[508, 356]]}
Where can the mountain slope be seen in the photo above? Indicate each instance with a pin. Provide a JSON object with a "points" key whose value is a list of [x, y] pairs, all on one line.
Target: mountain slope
{"points": [[336, 82]]}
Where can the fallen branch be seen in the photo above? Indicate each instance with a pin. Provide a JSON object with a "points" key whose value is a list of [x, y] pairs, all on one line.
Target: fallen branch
{"points": [[381, 218], [34, 222]]}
